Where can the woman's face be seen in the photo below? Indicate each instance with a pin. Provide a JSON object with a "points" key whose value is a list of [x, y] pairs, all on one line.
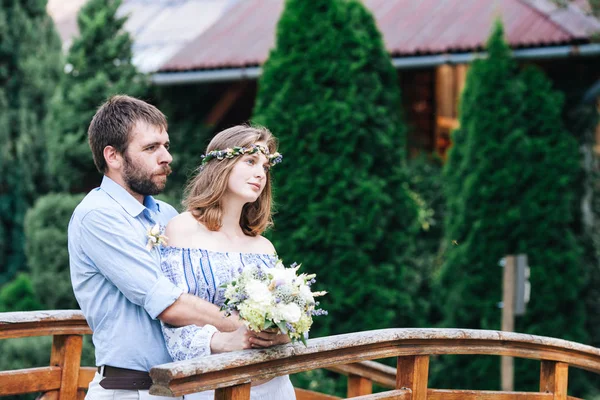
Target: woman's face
{"points": [[248, 176]]}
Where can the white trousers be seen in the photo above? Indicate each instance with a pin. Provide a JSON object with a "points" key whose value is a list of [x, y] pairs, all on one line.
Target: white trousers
{"points": [[97, 392]]}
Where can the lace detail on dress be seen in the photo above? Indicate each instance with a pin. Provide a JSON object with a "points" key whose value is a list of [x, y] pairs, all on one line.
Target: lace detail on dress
{"points": [[202, 273]]}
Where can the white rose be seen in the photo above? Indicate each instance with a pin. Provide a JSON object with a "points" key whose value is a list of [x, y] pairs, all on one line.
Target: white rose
{"points": [[306, 294], [258, 292], [287, 312]]}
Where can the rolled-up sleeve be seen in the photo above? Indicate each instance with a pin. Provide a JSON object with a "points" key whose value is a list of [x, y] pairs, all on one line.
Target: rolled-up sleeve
{"points": [[189, 341], [123, 259]]}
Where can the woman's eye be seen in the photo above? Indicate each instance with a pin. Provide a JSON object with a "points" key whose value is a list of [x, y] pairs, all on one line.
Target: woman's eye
{"points": [[250, 161], [267, 168]]}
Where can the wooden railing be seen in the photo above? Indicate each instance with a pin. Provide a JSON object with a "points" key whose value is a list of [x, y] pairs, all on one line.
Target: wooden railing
{"points": [[231, 374]]}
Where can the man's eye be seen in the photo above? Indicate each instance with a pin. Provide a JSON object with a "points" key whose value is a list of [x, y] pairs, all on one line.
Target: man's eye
{"points": [[151, 148], [167, 146]]}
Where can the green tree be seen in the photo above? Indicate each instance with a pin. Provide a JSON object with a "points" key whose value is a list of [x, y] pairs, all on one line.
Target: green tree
{"points": [[30, 64], [512, 176], [17, 295], [46, 245], [98, 66], [343, 206]]}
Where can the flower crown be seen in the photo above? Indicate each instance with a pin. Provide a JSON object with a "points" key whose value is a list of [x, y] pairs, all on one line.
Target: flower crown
{"points": [[220, 155]]}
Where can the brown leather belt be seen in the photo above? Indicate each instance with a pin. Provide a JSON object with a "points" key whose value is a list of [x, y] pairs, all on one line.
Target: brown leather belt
{"points": [[124, 379]]}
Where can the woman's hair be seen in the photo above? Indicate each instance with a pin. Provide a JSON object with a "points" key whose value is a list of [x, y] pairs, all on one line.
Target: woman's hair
{"points": [[204, 193]]}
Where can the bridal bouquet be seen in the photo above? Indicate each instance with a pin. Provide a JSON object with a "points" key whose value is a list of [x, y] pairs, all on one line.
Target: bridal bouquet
{"points": [[274, 297]]}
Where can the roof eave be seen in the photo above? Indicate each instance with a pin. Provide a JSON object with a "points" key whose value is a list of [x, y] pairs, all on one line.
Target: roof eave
{"points": [[409, 62]]}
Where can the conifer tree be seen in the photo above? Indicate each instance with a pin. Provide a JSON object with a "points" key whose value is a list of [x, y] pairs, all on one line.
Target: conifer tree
{"points": [[98, 66], [329, 93], [30, 60], [49, 259], [511, 178]]}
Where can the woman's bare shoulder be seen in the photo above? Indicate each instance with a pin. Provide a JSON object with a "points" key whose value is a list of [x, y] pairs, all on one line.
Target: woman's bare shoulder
{"points": [[182, 225], [263, 245]]}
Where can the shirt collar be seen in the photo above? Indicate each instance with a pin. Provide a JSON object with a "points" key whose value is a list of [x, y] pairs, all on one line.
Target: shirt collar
{"points": [[126, 200]]}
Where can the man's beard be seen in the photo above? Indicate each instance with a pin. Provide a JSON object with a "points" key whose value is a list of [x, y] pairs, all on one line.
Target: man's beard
{"points": [[140, 181]]}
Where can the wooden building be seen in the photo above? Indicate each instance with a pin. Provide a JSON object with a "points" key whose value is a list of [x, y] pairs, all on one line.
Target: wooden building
{"points": [[431, 43]]}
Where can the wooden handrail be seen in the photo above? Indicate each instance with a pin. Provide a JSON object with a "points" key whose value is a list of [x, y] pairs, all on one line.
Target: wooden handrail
{"points": [[231, 373], [43, 323], [238, 368]]}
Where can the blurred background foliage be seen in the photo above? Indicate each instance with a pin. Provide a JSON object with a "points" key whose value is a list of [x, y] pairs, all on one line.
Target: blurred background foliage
{"points": [[397, 241]]}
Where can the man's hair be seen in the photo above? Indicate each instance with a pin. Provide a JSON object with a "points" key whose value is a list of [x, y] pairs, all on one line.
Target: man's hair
{"points": [[114, 122], [204, 194]]}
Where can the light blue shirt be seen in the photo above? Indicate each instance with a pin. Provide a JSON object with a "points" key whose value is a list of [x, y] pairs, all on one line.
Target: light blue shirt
{"points": [[117, 280]]}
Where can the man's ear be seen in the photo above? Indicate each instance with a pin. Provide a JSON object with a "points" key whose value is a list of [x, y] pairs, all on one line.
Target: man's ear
{"points": [[114, 159]]}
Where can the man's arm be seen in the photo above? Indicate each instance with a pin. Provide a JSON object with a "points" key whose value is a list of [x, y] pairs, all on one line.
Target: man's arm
{"points": [[192, 310], [124, 260]]}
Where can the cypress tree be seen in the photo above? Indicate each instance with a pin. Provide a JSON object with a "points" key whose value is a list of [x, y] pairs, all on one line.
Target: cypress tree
{"points": [[511, 185], [46, 246], [30, 64], [98, 66], [329, 93]]}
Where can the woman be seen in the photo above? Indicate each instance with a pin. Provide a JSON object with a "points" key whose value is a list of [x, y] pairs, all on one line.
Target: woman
{"points": [[228, 207]]}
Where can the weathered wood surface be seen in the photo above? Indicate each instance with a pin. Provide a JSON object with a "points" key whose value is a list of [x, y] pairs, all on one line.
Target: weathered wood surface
{"points": [[358, 386], [379, 373], [440, 394], [66, 354], [228, 369], [86, 374], [437, 394], [554, 379], [413, 373], [29, 380], [42, 323], [237, 392], [303, 394], [400, 394]]}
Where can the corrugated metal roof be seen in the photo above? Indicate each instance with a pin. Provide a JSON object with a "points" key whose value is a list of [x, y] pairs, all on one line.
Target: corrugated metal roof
{"points": [[244, 34], [159, 28]]}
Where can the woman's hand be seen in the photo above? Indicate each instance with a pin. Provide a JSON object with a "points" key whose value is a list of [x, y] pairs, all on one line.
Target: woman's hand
{"points": [[239, 339], [268, 338]]}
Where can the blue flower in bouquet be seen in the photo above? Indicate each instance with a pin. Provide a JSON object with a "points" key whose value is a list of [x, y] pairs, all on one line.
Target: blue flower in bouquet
{"points": [[274, 297]]}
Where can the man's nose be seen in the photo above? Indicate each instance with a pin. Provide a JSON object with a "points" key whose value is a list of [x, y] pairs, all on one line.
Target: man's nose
{"points": [[165, 157]]}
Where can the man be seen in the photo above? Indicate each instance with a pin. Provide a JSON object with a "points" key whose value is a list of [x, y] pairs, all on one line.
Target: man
{"points": [[114, 256]]}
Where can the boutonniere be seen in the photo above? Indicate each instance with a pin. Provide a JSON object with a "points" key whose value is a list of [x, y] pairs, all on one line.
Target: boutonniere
{"points": [[156, 237]]}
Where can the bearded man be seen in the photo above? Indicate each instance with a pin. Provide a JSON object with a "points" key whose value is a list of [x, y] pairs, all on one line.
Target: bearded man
{"points": [[114, 238]]}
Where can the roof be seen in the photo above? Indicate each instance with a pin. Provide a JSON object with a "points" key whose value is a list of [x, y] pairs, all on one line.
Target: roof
{"points": [[243, 36], [159, 28]]}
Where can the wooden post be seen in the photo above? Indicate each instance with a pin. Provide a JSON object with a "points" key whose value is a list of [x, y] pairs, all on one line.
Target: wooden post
{"points": [[358, 386], [554, 378], [66, 354], [508, 321], [412, 373], [237, 392]]}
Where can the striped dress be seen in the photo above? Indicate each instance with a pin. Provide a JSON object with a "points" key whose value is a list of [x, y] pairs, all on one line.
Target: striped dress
{"points": [[203, 273]]}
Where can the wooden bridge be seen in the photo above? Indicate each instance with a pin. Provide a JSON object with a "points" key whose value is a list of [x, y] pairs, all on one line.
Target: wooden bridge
{"points": [[231, 374]]}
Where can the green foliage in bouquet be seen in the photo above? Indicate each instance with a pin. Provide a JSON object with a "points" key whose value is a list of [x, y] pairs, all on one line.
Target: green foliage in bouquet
{"points": [[329, 93], [30, 64], [510, 189], [98, 66], [47, 254]]}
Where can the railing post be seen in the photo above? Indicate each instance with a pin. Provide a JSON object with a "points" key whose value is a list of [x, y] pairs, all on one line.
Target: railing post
{"points": [[554, 377], [358, 386], [412, 373], [66, 354], [237, 392]]}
